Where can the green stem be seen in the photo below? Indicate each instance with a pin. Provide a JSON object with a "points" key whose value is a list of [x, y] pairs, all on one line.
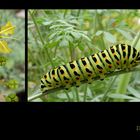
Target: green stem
{"points": [[85, 93], [37, 29], [96, 78], [107, 91], [33, 97], [35, 38], [67, 94], [77, 95], [48, 55], [123, 83], [99, 23], [78, 13], [65, 13]]}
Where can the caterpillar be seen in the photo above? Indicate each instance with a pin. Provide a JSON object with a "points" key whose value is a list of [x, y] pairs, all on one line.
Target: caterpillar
{"points": [[117, 57]]}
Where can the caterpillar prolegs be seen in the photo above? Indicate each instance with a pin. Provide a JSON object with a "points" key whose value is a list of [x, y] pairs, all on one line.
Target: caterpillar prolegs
{"points": [[121, 56]]}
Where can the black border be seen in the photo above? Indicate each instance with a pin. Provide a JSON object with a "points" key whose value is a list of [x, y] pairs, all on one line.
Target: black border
{"points": [[119, 119], [69, 4], [101, 120]]}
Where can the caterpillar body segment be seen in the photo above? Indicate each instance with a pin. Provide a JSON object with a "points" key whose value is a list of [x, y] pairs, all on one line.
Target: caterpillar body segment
{"points": [[117, 57]]}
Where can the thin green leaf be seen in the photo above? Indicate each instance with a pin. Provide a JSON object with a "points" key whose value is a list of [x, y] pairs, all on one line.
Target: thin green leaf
{"points": [[86, 37], [52, 35], [135, 100], [75, 35], [109, 37], [46, 23], [64, 43], [81, 47], [134, 92], [69, 38], [74, 22], [127, 35], [58, 38], [64, 23], [62, 96], [98, 33], [120, 96], [89, 92], [55, 26]]}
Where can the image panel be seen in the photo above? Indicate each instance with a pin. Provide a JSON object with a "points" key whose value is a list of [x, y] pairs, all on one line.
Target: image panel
{"points": [[83, 55], [12, 55]]}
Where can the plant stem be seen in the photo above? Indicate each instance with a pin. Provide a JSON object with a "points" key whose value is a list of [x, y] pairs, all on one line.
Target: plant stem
{"points": [[99, 23], [65, 13], [107, 91], [78, 13], [67, 94], [96, 78], [123, 83], [77, 95], [85, 92], [33, 97], [48, 55], [37, 29]]}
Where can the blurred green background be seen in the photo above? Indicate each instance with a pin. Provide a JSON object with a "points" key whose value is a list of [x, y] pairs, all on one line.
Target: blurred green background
{"points": [[14, 70], [59, 36]]}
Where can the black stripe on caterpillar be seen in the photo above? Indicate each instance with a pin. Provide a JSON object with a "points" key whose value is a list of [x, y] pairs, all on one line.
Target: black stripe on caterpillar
{"points": [[121, 56]]}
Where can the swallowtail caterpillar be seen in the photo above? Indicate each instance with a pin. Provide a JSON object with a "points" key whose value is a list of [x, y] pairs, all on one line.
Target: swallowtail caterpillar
{"points": [[121, 56]]}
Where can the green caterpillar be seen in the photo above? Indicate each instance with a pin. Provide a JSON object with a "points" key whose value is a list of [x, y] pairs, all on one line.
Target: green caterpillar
{"points": [[121, 56]]}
